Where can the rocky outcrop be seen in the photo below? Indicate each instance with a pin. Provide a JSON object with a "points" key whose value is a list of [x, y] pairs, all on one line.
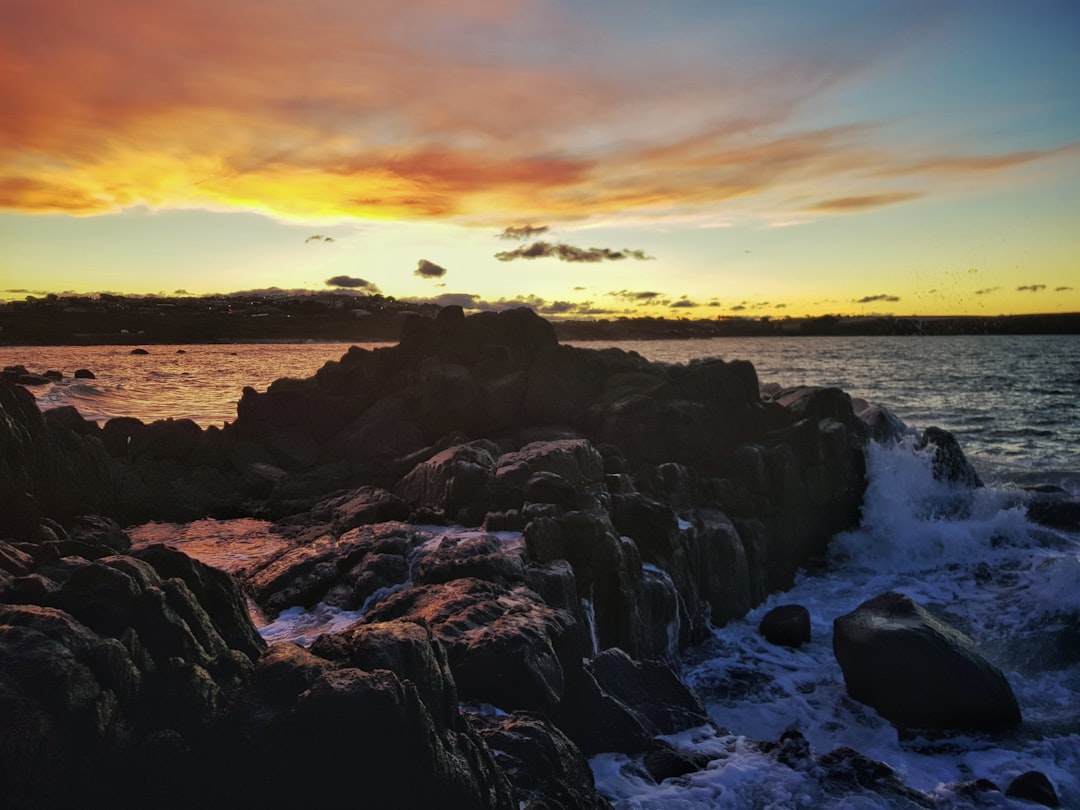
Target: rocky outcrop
{"points": [[527, 526], [47, 469], [917, 671]]}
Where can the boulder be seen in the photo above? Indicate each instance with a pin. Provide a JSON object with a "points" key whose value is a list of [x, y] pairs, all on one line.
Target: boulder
{"points": [[917, 671], [949, 462], [786, 626], [1033, 786], [84, 374]]}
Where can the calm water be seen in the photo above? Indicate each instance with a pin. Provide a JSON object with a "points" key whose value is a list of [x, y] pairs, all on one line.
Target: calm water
{"points": [[1014, 403]]}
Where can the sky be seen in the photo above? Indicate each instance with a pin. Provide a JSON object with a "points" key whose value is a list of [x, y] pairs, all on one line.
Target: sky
{"points": [[695, 159]]}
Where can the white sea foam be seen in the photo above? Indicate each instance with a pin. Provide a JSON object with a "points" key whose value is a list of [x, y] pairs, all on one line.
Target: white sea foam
{"points": [[971, 558]]}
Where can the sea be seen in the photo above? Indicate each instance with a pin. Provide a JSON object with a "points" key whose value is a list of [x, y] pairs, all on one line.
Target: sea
{"points": [[1013, 587]]}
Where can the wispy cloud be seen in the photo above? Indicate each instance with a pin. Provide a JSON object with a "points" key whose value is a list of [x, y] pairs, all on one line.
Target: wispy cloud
{"points": [[870, 299], [383, 110], [863, 201], [1031, 288]]}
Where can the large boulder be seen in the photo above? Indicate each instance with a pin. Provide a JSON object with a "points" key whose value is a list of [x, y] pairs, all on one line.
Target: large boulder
{"points": [[917, 671]]}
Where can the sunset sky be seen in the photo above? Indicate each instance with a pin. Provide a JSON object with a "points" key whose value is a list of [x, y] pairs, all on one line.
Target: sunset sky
{"points": [[609, 157]]}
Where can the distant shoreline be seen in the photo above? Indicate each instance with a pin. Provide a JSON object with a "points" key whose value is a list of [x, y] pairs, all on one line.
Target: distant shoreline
{"points": [[45, 325]]}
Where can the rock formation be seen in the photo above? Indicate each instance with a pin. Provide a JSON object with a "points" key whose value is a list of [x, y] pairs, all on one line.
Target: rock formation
{"points": [[531, 527]]}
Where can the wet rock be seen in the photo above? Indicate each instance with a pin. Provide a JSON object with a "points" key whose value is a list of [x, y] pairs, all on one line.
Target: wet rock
{"points": [[506, 646], [84, 374], [917, 671], [543, 764], [1034, 786], [949, 462], [787, 626], [139, 351]]}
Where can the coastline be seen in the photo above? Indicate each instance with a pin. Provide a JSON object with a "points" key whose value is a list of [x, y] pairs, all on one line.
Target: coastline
{"points": [[45, 323]]}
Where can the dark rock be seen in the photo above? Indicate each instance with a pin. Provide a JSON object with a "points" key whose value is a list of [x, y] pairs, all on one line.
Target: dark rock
{"points": [[1033, 786], [458, 481], [84, 374], [1055, 512], [32, 379], [787, 626], [844, 769], [949, 462], [67, 416], [651, 688], [505, 646], [403, 647], [882, 424], [53, 375], [139, 351], [917, 671], [664, 761], [545, 767]]}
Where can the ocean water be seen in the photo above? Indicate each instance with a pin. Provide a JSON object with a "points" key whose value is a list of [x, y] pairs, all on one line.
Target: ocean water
{"points": [[1013, 587]]}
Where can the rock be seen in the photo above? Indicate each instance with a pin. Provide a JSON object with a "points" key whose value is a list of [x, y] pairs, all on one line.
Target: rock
{"points": [[1033, 786], [949, 463], [651, 688], [787, 626], [84, 374], [882, 424], [543, 764], [458, 481], [68, 417], [505, 646], [32, 379], [139, 351], [53, 375], [917, 671], [1055, 511]]}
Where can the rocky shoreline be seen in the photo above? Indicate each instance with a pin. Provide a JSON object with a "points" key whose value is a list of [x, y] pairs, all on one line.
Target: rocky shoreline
{"points": [[535, 530]]}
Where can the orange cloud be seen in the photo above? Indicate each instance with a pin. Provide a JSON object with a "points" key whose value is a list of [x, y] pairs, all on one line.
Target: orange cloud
{"points": [[863, 201], [432, 108]]}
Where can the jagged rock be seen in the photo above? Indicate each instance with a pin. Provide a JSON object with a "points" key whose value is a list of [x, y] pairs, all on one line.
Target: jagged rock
{"points": [[949, 462], [917, 671], [458, 481], [543, 764], [506, 646]]}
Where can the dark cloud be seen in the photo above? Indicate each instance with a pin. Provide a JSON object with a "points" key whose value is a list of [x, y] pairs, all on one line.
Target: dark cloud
{"points": [[318, 237], [523, 231], [738, 308], [19, 290], [569, 253], [1031, 288], [987, 290], [638, 296], [1062, 289], [870, 299], [683, 303], [714, 303], [426, 269], [351, 282]]}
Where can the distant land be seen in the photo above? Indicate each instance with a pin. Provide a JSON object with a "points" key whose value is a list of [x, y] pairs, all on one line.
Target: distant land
{"points": [[121, 320]]}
